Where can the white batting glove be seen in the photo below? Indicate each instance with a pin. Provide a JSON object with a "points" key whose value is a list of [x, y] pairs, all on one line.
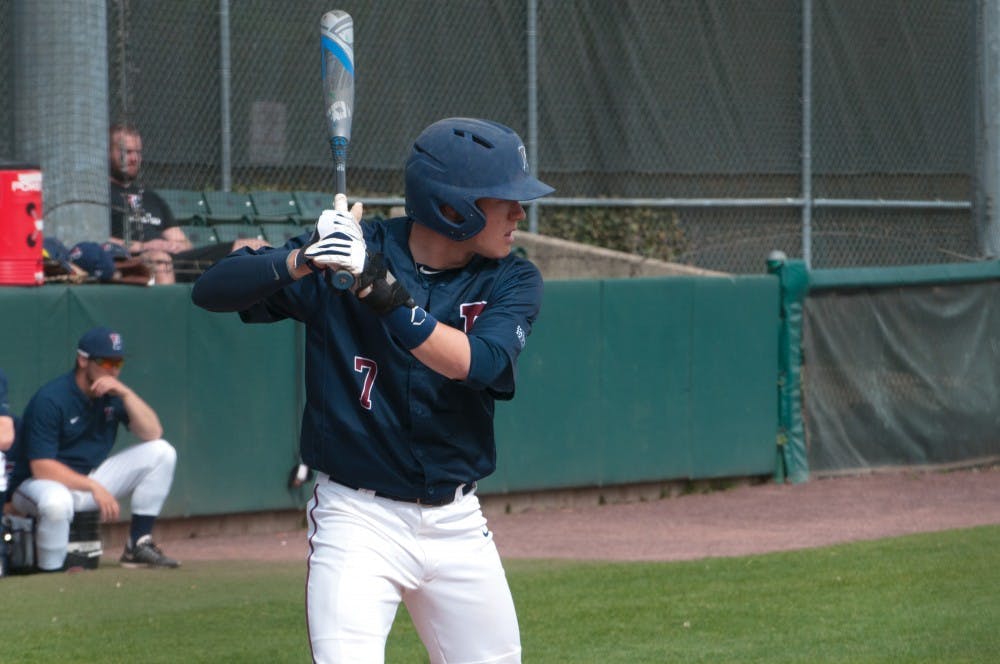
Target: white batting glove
{"points": [[340, 243]]}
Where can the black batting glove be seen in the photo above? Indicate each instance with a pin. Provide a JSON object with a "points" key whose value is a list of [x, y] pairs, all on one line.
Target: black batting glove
{"points": [[378, 288], [374, 269]]}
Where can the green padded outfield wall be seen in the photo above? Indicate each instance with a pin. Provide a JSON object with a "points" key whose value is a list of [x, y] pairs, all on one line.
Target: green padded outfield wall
{"points": [[636, 380], [226, 393], [622, 381]]}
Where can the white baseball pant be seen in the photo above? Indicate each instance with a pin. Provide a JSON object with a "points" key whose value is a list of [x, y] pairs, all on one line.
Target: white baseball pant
{"points": [[143, 471], [367, 554]]}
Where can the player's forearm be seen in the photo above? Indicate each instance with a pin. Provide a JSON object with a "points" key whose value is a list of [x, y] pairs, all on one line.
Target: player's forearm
{"points": [[50, 469], [6, 433], [239, 281], [441, 348], [160, 244], [445, 351], [450, 352], [143, 420]]}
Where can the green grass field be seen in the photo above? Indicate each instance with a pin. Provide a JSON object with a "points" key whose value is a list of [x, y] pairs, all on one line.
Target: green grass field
{"points": [[924, 598]]}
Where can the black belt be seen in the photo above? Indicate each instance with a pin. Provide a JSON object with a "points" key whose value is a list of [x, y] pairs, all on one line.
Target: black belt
{"points": [[448, 498]]}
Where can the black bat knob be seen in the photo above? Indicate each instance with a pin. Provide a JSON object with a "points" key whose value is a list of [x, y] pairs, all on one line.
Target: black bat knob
{"points": [[342, 280]]}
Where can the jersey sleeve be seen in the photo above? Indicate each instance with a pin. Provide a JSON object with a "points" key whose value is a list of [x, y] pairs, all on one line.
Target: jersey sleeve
{"points": [[249, 281], [4, 400], [120, 413], [501, 331], [42, 426]]}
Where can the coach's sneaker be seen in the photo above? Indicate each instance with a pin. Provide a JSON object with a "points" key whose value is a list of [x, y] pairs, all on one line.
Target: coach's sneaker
{"points": [[146, 554]]}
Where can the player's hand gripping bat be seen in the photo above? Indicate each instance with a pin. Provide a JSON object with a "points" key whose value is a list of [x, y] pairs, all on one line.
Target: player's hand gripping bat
{"points": [[337, 43]]}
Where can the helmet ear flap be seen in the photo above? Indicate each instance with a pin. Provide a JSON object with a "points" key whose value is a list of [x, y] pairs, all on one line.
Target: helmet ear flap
{"points": [[426, 199], [470, 220]]}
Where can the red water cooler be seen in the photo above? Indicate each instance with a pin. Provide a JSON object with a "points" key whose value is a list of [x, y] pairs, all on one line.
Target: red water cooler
{"points": [[21, 226]]}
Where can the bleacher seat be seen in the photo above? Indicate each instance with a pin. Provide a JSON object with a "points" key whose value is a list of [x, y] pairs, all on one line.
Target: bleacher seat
{"points": [[271, 206], [187, 205], [277, 233], [228, 207], [198, 234], [311, 205], [228, 232]]}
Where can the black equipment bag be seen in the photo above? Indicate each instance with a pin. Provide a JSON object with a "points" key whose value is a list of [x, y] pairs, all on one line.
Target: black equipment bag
{"points": [[18, 545]]}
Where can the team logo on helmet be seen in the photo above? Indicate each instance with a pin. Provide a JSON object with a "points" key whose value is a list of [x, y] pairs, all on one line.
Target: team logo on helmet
{"points": [[524, 158]]}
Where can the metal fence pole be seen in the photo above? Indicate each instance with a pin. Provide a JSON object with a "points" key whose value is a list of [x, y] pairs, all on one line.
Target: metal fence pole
{"points": [[60, 110], [532, 46], [807, 44], [225, 78], [122, 43], [988, 129]]}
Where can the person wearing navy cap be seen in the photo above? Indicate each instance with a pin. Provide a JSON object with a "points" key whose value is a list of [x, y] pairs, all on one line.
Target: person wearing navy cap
{"points": [[62, 466]]}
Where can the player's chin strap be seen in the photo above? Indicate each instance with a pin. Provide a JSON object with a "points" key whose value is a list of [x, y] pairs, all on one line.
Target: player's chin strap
{"points": [[378, 288]]}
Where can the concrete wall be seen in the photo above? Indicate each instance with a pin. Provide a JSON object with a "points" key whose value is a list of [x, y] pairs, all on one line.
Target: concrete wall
{"points": [[561, 259]]}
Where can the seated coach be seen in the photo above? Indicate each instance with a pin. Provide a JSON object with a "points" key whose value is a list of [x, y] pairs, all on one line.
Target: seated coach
{"points": [[62, 465]]}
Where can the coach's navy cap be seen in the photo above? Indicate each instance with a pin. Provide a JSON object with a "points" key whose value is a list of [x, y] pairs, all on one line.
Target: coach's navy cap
{"points": [[101, 342]]}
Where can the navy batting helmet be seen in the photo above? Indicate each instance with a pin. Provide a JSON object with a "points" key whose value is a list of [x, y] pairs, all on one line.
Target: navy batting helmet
{"points": [[456, 162]]}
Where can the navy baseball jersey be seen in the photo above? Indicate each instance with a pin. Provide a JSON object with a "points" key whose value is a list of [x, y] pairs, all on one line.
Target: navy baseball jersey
{"points": [[61, 422], [4, 411], [4, 400], [375, 416]]}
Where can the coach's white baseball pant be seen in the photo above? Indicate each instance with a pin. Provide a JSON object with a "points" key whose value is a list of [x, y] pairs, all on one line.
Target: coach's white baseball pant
{"points": [[145, 471], [367, 554]]}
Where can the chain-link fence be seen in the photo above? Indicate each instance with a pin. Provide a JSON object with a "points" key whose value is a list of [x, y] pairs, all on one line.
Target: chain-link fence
{"points": [[7, 150], [841, 131]]}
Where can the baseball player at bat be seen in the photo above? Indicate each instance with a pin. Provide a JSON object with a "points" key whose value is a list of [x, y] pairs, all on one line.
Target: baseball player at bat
{"points": [[402, 373]]}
